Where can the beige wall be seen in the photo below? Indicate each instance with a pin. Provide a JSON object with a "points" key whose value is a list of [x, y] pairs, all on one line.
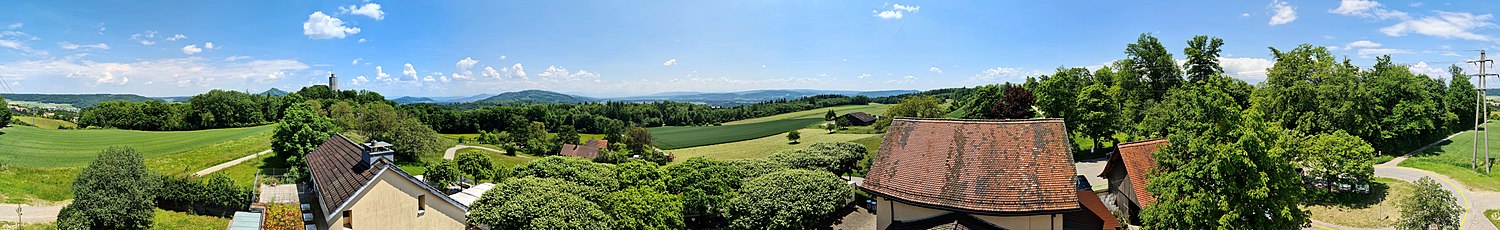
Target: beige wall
{"points": [[889, 211], [391, 203]]}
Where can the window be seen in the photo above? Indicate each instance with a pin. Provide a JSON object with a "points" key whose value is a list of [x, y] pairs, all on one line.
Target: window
{"points": [[421, 204], [349, 219]]}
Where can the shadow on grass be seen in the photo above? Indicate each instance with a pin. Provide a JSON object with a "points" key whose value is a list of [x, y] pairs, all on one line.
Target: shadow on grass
{"points": [[1378, 193]]}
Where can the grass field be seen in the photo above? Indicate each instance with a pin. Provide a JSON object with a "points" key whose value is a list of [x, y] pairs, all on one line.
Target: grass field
{"points": [[677, 137], [1453, 157], [762, 147], [191, 161], [181, 220], [872, 109], [1493, 215], [45, 123], [25, 185], [35, 147], [1380, 209]]}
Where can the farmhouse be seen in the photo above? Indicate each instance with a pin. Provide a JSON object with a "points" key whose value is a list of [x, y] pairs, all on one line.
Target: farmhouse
{"points": [[980, 174], [858, 119], [1126, 171], [589, 149], [358, 186]]}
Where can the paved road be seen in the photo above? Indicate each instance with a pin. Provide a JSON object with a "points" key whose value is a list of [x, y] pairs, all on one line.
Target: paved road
{"points": [[454, 150], [1473, 201], [234, 162], [30, 213]]}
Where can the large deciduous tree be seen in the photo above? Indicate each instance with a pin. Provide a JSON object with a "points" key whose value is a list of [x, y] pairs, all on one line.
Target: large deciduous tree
{"points": [[1429, 207], [541, 203], [1015, 103], [706, 185], [300, 131], [765, 203], [4, 112], [1461, 98], [113, 192], [640, 208], [915, 106], [480, 166], [639, 139], [573, 169], [1337, 158], [1154, 64], [1202, 58], [442, 173], [1096, 112]]}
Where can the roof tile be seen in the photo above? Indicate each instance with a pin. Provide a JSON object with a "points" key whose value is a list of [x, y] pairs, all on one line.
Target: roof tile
{"points": [[992, 166]]}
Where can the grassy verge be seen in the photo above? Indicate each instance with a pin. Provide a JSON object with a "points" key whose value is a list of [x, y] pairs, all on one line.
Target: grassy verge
{"points": [[192, 161], [1453, 159], [25, 185], [1493, 215], [28, 226], [677, 137], [45, 123], [181, 220], [1379, 209], [35, 147], [872, 109], [872, 146], [762, 147], [244, 173]]}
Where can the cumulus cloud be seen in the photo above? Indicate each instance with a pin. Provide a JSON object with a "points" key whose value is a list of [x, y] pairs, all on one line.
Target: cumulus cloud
{"points": [[1367, 9], [670, 62], [1003, 74], [897, 11], [935, 69], [559, 74], [463, 67], [903, 80], [362, 40], [1430, 71], [176, 37], [236, 58], [85, 47], [863, 76], [490, 72], [209, 45], [191, 49], [322, 26], [360, 80], [409, 71], [1248, 69], [1444, 25], [188, 71], [371, 10], [518, 71], [380, 74], [1284, 13], [145, 38], [356, 61], [1361, 44]]}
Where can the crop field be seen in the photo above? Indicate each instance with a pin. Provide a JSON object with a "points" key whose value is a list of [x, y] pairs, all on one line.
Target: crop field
{"points": [[1453, 158], [677, 137], [35, 147], [764, 146], [45, 123], [872, 109]]}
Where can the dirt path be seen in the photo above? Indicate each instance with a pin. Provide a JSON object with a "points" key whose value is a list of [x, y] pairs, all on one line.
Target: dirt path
{"points": [[232, 163], [454, 150], [30, 213]]}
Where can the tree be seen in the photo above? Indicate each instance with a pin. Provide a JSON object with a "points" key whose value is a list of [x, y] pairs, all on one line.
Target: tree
{"points": [[639, 139], [4, 113], [408, 136], [1338, 159], [1202, 58], [1056, 95], [1151, 61], [1096, 113], [830, 115], [705, 185], [641, 174], [764, 202], [477, 165], [644, 208], [1429, 207], [113, 192], [1212, 178], [1461, 98], [300, 131], [577, 170], [831, 126], [220, 108], [916, 106], [441, 174], [793, 136], [540, 203], [979, 104], [569, 135], [1016, 103]]}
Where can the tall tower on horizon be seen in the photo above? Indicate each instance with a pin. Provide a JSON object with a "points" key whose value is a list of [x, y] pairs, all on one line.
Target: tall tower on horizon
{"points": [[333, 83]]}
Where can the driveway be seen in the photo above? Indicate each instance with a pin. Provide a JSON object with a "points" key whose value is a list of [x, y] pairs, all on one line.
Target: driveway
{"points": [[1090, 169], [1473, 202], [454, 150]]}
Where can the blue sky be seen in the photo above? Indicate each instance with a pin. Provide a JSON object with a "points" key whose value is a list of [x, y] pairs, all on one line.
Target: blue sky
{"points": [[619, 48]]}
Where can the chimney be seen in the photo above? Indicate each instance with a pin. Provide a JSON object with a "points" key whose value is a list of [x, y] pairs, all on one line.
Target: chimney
{"points": [[374, 150], [333, 84]]}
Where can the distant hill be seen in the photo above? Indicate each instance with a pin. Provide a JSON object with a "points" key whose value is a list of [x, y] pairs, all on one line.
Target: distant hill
{"points": [[537, 96], [77, 100], [274, 92], [462, 99], [753, 96], [413, 100]]}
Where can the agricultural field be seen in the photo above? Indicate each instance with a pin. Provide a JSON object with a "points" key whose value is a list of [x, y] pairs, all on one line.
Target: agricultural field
{"points": [[1380, 209], [764, 146], [470, 137], [45, 123], [1453, 158], [677, 137], [872, 109]]}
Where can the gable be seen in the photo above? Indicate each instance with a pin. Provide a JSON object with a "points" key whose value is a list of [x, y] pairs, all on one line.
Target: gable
{"points": [[410, 187]]}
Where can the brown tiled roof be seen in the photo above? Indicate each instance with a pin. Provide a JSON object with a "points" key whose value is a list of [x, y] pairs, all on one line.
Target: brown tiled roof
{"points": [[1136, 158], [338, 170], [993, 167], [597, 143], [584, 151], [950, 221], [862, 116], [1094, 208]]}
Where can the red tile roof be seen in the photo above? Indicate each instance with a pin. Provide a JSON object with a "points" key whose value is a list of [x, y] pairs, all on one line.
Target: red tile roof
{"points": [[993, 167], [1136, 158], [584, 151], [1096, 208]]}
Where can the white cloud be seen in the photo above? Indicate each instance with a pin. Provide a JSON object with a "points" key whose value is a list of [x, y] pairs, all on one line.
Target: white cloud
{"points": [[903, 80], [1361, 44], [371, 10], [670, 62], [559, 74], [209, 45], [176, 37], [191, 49], [356, 61], [14, 26], [235, 58], [1445, 25], [863, 76], [188, 71], [1430, 71], [409, 71], [489, 72], [1248, 69], [359, 80], [322, 26], [518, 71], [102, 28], [380, 74], [145, 38], [1003, 74], [1285, 13], [1367, 9], [502, 57], [935, 69], [1380, 51], [1244, 14], [896, 11], [71, 46], [463, 67], [362, 40]]}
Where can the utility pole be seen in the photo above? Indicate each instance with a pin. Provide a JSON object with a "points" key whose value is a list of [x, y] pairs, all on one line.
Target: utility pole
{"points": [[1481, 110]]}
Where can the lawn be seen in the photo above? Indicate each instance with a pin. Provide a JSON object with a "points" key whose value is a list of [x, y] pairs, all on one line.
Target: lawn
{"points": [[1493, 215], [762, 147], [192, 161], [35, 147], [181, 220], [244, 173], [45, 123], [1453, 157], [677, 137], [872, 109], [1380, 209]]}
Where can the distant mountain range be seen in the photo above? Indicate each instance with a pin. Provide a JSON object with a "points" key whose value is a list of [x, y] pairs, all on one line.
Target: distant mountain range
{"points": [[524, 96], [273, 92]]}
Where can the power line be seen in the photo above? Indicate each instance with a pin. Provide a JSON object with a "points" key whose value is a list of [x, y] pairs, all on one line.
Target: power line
{"points": [[1481, 111]]}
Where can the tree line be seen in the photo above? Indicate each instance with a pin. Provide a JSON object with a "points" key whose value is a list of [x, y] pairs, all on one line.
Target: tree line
{"points": [[607, 117]]}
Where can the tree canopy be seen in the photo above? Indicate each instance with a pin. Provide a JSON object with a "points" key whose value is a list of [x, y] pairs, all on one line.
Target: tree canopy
{"points": [[298, 133], [764, 202], [113, 192], [1429, 207]]}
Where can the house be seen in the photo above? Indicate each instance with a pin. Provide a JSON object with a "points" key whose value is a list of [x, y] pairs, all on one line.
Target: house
{"points": [[979, 174], [858, 119], [1126, 171], [359, 186], [589, 149]]}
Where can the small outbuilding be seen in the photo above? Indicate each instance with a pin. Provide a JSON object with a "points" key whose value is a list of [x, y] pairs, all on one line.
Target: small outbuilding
{"points": [[1127, 171], [858, 119], [589, 149]]}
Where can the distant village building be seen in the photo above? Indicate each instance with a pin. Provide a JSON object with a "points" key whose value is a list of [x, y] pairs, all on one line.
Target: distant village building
{"points": [[980, 174], [589, 149], [1126, 170], [357, 186], [858, 119]]}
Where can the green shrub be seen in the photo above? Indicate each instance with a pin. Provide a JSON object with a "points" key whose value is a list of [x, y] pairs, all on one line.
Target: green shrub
{"points": [[113, 192]]}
